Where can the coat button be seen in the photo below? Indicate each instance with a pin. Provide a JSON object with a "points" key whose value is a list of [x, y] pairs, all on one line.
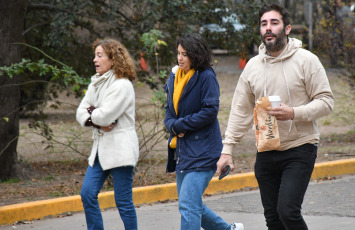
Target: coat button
{"points": [[196, 137]]}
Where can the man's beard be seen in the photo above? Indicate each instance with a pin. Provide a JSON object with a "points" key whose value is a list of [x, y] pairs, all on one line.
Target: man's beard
{"points": [[279, 42]]}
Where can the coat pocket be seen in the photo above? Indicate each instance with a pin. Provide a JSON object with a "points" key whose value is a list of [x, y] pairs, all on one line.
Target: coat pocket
{"points": [[196, 144]]}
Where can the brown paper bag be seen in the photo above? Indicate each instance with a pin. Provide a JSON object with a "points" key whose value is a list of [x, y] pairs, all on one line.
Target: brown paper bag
{"points": [[266, 129]]}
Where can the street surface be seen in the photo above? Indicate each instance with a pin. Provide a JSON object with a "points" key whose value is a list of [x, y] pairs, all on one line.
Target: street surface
{"points": [[328, 205]]}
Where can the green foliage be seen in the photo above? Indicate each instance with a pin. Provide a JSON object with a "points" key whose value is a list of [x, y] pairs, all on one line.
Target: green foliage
{"points": [[65, 75], [10, 181], [152, 136], [334, 35], [152, 39], [49, 178], [66, 29], [159, 96], [248, 12], [55, 194], [71, 26], [42, 81]]}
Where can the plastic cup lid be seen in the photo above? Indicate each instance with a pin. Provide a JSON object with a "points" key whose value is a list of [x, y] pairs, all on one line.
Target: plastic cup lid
{"points": [[274, 98]]}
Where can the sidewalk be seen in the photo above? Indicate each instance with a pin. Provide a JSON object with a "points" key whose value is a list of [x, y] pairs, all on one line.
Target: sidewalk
{"points": [[328, 204], [146, 195]]}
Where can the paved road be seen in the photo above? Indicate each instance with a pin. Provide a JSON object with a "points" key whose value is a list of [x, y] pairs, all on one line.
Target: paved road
{"points": [[328, 205]]}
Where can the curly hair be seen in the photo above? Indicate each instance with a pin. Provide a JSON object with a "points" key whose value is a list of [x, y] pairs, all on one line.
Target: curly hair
{"points": [[123, 64], [278, 8], [197, 50]]}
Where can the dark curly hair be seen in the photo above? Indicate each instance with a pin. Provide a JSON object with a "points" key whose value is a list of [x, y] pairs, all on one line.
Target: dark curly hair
{"points": [[123, 64], [197, 50], [276, 7]]}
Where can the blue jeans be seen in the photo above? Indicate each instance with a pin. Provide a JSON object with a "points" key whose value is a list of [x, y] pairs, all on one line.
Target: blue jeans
{"points": [[283, 178], [122, 181], [194, 214]]}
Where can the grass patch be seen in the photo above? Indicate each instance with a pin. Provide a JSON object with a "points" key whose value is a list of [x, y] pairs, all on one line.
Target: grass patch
{"points": [[344, 103], [55, 194], [49, 178], [348, 137], [10, 181]]}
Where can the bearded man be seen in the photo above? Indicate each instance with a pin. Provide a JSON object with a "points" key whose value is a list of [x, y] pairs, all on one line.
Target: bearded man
{"points": [[281, 68]]}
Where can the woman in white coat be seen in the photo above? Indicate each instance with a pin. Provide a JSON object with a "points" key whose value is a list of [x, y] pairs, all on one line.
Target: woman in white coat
{"points": [[109, 109]]}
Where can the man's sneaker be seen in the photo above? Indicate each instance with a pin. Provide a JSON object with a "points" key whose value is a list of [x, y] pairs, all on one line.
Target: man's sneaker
{"points": [[237, 226]]}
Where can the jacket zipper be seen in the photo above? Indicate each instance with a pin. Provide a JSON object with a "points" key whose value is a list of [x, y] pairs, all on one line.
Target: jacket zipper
{"points": [[169, 91], [179, 153], [178, 159]]}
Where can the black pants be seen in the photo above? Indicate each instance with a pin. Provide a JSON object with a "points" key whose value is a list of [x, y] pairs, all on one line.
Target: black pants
{"points": [[283, 178]]}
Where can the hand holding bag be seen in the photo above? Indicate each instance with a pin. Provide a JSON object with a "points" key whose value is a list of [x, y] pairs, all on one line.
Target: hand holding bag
{"points": [[266, 128]]}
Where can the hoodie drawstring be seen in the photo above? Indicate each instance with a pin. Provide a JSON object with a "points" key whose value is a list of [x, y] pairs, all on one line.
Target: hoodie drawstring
{"points": [[264, 77], [287, 87], [288, 93]]}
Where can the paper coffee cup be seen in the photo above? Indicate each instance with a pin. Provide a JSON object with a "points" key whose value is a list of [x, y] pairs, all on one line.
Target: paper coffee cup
{"points": [[275, 101]]}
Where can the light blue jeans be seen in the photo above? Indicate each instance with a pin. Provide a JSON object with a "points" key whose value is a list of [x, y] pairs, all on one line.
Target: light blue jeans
{"points": [[122, 183], [194, 214]]}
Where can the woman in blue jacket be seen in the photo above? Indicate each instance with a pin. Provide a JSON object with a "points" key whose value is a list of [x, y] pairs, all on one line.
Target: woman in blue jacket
{"points": [[195, 141]]}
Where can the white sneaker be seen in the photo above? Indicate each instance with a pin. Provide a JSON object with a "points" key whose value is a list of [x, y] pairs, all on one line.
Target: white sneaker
{"points": [[237, 226]]}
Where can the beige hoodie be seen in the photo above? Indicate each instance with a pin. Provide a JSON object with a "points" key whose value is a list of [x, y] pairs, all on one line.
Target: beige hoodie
{"points": [[299, 78]]}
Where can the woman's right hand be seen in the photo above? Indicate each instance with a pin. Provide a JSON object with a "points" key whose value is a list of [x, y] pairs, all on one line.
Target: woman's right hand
{"points": [[90, 109], [107, 128]]}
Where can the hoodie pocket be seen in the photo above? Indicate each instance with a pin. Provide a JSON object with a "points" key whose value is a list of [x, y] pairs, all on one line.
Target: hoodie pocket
{"points": [[305, 128], [284, 129]]}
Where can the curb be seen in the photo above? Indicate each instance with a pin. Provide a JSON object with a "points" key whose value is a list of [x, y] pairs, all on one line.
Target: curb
{"points": [[40, 209]]}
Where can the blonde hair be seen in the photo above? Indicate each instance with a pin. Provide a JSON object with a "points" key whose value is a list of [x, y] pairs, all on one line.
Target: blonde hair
{"points": [[123, 64]]}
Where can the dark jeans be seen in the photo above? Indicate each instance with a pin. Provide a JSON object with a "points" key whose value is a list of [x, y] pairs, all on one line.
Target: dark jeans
{"points": [[283, 178]]}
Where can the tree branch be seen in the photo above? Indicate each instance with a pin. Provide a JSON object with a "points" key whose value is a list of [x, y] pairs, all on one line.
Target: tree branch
{"points": [[44, 7], [29, 82], [8, 144], [118, 12], [34, 26]]}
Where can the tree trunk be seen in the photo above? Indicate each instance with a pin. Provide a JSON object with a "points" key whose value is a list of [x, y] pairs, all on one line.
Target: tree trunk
{"points": [[11, 28]]}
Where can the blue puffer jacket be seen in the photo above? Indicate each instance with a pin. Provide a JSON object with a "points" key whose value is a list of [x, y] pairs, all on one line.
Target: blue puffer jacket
{"points": [[201, 146]]}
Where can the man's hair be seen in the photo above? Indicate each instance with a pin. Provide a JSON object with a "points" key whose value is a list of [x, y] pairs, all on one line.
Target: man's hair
{"points": [[197, 50], [276, 7]]}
